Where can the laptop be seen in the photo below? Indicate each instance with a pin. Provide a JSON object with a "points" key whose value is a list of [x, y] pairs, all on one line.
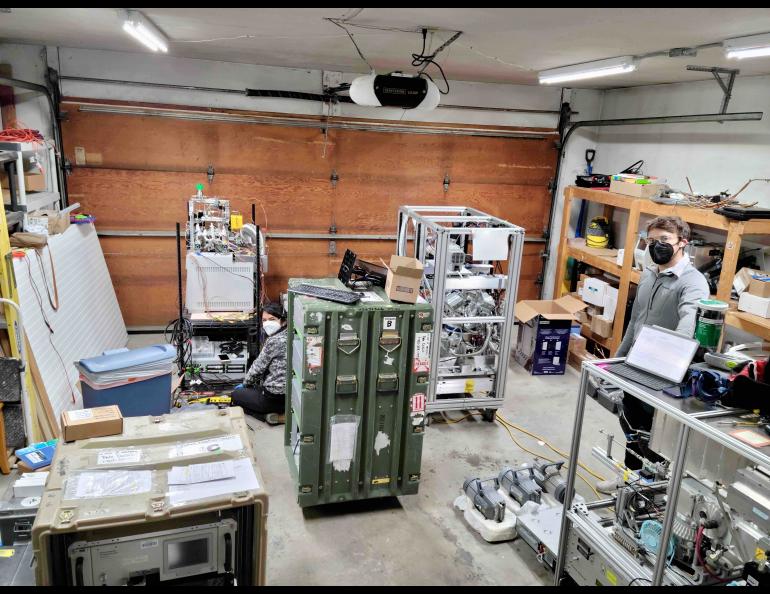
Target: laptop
{"points": [[659, 358]]}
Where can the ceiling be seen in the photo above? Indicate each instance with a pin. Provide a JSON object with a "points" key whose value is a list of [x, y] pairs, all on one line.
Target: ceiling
{"points": [[507, 45]]}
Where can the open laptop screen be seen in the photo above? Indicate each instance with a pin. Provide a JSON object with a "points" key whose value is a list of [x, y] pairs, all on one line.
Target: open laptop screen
{"points": [[663, 353]]}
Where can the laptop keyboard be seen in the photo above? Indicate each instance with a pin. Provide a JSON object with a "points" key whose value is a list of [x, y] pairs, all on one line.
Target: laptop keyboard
{"points": [[640, 377]]}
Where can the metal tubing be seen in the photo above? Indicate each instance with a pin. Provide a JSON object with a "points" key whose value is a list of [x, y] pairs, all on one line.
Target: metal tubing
{"points": [[672, 497], [258, 283], [279, 235], [132, 83], [569, 494], [180, 338], [306, 122]]}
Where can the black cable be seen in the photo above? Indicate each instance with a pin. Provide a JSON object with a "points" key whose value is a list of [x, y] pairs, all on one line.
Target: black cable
{"points": [[422, 61], [631, 583]]}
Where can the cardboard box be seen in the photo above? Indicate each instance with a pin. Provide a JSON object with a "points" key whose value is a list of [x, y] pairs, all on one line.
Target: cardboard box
{"points": [[91, 422], [35, 182], [404, 277], [602, 326], [594, 291], [760, 286], [544, 334], [47, 222], [635, 190], [759, 306], [742, 279]]}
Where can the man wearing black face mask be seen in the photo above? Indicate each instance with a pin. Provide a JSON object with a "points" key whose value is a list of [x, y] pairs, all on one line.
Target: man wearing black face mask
{"points": [[667, 296]]}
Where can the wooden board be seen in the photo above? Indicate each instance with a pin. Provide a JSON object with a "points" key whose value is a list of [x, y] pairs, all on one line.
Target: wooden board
{"points": [[141, 174]]}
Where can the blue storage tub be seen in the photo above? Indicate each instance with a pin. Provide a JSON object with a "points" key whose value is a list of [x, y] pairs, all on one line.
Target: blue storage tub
{"points": [[138, 381]]}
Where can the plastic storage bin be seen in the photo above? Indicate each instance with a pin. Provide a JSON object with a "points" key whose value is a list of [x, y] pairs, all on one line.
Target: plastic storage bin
{"points": [[138, 381]]}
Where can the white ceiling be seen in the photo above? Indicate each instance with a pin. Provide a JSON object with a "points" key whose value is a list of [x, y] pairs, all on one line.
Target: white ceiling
{"points": [[504, 45]]}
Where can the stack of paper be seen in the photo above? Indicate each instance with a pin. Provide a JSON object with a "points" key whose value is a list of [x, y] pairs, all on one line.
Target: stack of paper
{"points": [[204, 481]]}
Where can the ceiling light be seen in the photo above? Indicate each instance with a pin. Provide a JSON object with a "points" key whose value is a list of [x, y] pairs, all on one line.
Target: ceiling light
{"points": [[753, 46], [141, 28], [588, 70]]}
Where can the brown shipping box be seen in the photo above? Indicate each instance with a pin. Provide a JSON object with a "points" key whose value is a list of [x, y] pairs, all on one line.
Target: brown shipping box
{"points": [[635, 190], [91, 422], [404, 278], [760, 288]]}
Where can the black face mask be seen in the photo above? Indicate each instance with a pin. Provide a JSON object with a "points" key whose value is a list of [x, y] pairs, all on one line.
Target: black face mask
{"points": [[661, 253]]}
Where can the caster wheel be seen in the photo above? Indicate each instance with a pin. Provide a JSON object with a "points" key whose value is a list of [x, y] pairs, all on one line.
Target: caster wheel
{"points": [[488, 414]]}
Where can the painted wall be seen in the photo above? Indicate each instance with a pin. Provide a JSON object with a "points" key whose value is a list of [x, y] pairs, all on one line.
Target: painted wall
{"points": [[714, 156], [28, 63]]}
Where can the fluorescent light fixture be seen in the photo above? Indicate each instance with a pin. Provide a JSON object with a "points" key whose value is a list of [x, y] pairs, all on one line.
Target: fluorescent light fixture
{"points": [[588, 70], [141, 28], [753, 46]]}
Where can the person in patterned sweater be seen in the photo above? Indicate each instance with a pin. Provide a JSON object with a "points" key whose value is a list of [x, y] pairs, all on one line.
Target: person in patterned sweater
{"points": [[262, 392]]}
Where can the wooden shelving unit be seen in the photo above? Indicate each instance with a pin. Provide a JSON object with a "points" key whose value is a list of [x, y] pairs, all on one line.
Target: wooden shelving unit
{"points": [[735, 231]]}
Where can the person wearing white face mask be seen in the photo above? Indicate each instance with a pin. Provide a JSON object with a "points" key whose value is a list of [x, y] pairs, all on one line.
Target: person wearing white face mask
{"points": [[262, 392]]}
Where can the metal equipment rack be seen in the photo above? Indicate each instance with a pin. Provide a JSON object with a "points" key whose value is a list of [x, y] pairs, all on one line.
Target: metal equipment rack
{"points": [[693, 418], [443, 239], [20, 199]]}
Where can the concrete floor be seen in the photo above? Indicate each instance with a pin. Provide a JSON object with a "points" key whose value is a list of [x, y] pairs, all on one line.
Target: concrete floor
{"points": [[421, 539]]}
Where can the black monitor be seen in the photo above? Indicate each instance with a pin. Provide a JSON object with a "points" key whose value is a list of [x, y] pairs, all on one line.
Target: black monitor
{"points": [[354, 269]]}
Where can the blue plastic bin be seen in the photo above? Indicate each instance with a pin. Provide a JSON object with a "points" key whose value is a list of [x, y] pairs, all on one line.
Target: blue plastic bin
{"points": [[117, 378]]}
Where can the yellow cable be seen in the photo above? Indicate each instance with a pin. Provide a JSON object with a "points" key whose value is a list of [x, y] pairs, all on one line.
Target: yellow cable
{"points": [[551, 447], [541, 457]]}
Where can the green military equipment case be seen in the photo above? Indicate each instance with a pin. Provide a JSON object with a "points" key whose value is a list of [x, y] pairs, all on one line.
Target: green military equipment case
{"points": [[357, 380]]}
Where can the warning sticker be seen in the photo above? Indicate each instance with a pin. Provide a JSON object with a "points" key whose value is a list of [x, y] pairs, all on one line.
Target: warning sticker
{"points": [[314, 352], [421, 360], [418, 402]]}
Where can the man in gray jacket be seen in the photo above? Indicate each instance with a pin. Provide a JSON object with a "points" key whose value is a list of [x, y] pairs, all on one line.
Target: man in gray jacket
{"points": [[667, 296]]}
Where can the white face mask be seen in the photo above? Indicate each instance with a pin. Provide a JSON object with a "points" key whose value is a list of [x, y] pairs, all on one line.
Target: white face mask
{"points": [[271, 327]]}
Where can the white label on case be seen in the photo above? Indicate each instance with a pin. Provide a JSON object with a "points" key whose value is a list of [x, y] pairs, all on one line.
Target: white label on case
{"points": [[80, 415]]}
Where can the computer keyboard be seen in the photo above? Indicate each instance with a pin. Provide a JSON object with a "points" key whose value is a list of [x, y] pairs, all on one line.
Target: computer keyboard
{"points": [[640, 377], [345, 297]]}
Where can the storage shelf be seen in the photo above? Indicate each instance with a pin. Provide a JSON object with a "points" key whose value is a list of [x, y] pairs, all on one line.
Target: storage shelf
{"points": [[694, 216], [606, 263], [750, 323], [735, 231]]}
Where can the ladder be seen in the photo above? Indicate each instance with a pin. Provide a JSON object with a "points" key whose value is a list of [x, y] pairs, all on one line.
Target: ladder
{"points": [[16, 337]]}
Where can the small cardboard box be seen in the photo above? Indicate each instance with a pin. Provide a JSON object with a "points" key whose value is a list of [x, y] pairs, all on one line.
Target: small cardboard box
{"points": [[635, 190], [594, 291], [743, 278], [760, 286], [759, 306], [602, 326], [544, 334], [403, 281], [33, 182], [47, 222], [91, 422]]}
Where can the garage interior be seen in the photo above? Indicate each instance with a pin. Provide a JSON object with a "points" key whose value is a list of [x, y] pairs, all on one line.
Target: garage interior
{"points": [[388, 297]]}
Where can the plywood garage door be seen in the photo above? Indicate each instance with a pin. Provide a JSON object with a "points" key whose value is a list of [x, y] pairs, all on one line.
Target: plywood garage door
{"points": [[141, 170]]}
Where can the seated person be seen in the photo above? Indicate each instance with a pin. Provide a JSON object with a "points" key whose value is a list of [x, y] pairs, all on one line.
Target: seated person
{"points": [[262, 392]]}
